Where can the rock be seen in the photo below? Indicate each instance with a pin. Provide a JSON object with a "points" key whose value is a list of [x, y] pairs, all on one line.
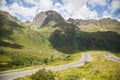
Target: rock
{"points": [[43, 18]]}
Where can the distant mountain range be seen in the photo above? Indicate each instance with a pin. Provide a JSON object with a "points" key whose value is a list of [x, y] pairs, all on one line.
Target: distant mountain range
{"points": [[105, 24], [44, 18]]}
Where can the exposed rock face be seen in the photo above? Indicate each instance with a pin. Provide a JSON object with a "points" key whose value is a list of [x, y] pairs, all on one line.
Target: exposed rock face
{"points": [[39, 19], [43, 18], [105, 24]]}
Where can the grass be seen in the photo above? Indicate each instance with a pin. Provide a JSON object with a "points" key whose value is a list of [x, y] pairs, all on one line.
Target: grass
{"points": [[100, 68], [63, 59], [35, 48]]}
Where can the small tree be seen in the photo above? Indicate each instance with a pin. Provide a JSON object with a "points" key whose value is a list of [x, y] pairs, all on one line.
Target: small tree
{"points": [[45, 60], [51, 57], [42, 74], [68, 57]]}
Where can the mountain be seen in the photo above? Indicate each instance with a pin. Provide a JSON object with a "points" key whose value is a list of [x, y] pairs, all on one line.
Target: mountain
{"points": [[8, 24], [6, 15], [43, 18], [21, 45], [105, 24]]}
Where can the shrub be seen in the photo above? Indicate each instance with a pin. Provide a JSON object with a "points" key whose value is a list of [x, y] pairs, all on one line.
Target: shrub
{"points": [[42, 74], [73, 77], [45, 60]]}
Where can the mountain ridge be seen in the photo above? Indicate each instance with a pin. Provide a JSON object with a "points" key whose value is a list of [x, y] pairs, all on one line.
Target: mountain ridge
{"points": [[105, 24], [10, 17]]}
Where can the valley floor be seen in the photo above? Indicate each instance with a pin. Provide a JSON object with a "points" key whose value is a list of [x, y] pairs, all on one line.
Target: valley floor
{"points": [[106, 67]]}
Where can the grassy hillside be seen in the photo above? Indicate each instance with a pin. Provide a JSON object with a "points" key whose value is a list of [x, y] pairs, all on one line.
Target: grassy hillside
{"points": [[22, 46], [28, 47], [25, 47], [69, 39], [100, 68]]}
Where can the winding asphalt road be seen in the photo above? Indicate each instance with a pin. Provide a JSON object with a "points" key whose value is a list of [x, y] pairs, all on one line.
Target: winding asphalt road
{"points": [[85, 58], [112, 57]]}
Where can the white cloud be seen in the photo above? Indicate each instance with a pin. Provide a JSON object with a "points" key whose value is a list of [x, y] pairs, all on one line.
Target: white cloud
{"points": [[58, 4], [85, 13], [112, 8], [3, 5], [93, 3], [115, 5], [73, 5], [58, 7], [28, 13], [118, 17], [106, 15], [78, 9], [30, 1], [15, 8], [44, 5]]}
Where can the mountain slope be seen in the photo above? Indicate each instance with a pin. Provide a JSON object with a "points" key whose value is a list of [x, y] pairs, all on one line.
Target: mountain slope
{"points": [[9, 17], [22, 46], [8, 25], [43, 18], [105, 24], [68, 41]]}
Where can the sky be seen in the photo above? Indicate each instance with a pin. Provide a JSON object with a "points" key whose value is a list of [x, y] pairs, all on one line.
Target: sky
{"points": [[77, 9]]}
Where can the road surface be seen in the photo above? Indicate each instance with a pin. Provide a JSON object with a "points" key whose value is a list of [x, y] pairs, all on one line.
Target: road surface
{"points": [[85, 58], [112, 57]]}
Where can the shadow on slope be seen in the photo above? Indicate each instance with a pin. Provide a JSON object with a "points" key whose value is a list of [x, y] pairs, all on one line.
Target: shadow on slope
{"points": [[8, 27], [6, 44], [64, 37], [82, 41]]}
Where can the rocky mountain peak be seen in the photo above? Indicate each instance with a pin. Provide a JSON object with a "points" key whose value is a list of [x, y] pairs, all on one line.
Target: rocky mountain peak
{"points": [[43, 18]]}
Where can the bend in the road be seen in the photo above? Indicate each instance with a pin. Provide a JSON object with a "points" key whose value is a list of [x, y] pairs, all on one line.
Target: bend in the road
{"points": [[85, 58]]}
